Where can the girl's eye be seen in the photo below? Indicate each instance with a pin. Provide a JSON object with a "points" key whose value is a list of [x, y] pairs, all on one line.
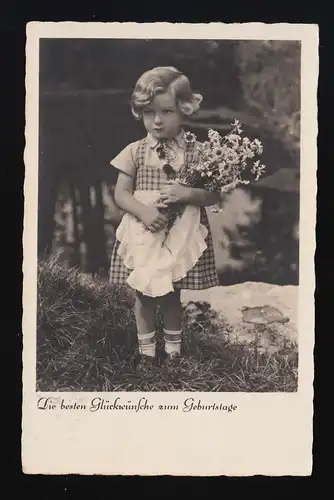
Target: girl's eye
{"points": [[168, 111]]}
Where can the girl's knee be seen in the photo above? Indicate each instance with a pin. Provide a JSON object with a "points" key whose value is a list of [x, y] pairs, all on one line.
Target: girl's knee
{"points": [[145, 299], [172, 298]]}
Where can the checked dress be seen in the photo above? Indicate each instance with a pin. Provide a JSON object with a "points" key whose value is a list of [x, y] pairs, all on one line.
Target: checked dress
{"points": [[148, 177]]}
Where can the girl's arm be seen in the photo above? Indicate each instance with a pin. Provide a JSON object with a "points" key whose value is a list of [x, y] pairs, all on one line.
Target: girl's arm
{"points": [[124, 195], [116, 212], [201, 197], [174, 192], [124, 198]]}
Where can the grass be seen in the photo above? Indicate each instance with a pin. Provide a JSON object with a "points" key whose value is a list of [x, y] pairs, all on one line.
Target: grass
{"points": [[86, 341]]}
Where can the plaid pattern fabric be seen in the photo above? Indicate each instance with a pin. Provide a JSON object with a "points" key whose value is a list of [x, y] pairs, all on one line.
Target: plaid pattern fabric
{"points": [[148, 178], [204, 273]]}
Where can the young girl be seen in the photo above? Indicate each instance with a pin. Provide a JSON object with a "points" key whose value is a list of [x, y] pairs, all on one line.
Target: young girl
{"points": [[156, 263]]}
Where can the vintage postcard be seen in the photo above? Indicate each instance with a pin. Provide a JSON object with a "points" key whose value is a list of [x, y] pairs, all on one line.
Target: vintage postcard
{"points": [[169, 241]]}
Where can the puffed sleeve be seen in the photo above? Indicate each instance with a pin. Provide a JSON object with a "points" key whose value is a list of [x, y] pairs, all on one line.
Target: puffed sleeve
{"points": [[124, 161]]}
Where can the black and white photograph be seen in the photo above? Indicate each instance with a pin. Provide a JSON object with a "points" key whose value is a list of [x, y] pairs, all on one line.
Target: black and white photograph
{"points": [[168, 216], [122, 304]]}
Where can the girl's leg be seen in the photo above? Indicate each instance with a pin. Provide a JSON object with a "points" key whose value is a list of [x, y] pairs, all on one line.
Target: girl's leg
{"points": [[171, 311], [145, 310]]}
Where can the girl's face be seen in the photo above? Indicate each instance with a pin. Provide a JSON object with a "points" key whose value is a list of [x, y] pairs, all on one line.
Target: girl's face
{"points": [[161, 117]]}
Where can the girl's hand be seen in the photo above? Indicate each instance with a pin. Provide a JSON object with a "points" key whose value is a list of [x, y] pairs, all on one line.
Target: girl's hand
{"points": [[173, 192], [153, 219]]}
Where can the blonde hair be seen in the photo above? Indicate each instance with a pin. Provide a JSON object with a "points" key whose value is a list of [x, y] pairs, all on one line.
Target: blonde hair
{"points": [[160, 80]]}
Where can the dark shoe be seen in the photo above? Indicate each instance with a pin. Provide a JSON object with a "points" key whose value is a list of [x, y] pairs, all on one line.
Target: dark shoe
{"points": [[171, 359], [143, 363]]}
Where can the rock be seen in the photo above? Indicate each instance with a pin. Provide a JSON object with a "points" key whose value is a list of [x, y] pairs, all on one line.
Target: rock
{"points": [[257, 312], [263, 315]]}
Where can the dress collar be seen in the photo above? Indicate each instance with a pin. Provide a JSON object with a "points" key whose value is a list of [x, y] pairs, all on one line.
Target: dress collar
{"points": [[179, 140]]}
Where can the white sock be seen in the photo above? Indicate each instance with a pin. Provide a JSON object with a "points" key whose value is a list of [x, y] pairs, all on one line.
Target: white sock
{"points": [[172, 341], [147, 344]]}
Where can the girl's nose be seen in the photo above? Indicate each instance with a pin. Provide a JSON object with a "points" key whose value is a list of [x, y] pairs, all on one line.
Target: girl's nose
{"points": [[157, 119]]}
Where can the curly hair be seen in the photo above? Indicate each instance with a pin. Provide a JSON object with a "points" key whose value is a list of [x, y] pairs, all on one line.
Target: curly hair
{"points": [[160, 80]]}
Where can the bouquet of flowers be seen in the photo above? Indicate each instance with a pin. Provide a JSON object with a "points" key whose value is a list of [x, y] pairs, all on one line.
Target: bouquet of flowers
{"points": [[222, 164]]}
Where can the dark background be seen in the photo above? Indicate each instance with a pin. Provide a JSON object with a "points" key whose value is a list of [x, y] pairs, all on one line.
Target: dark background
{"points": [[85, 119]]}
